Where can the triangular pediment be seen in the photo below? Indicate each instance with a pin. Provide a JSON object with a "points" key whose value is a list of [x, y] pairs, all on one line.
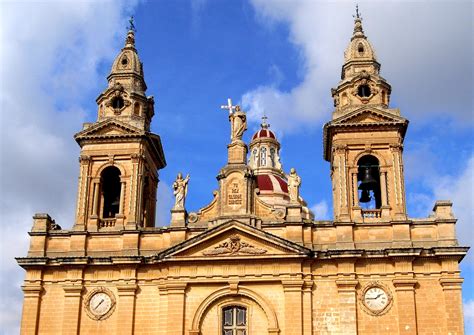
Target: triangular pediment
{"points": [[108, 127], [234, 240], [368, 116]]}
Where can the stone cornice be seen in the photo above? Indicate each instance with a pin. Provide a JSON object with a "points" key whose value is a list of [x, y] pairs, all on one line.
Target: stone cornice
{"points": [[452, 252]]}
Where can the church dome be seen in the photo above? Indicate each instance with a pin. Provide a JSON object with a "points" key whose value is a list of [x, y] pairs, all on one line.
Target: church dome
{"points": [[263, 133], [271, 183]]}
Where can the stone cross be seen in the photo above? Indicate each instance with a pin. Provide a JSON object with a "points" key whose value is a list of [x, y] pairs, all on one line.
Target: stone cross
{"points": [[229, 106]]}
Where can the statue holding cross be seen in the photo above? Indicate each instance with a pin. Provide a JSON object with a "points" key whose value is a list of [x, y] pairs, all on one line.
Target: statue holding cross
{"points": [[238, 121]]}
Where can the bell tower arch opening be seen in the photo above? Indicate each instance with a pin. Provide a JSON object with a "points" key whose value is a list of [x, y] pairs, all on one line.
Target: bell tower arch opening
{"points": [[368, 181], [111, 187]]}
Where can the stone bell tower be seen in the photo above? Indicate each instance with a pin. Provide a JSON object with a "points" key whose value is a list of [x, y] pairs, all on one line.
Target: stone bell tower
{"points": [[364, 140], [120, 157]]}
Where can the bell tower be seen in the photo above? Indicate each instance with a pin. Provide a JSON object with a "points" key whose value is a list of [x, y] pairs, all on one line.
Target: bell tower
{"points": [[364, 140], [120, 157]]}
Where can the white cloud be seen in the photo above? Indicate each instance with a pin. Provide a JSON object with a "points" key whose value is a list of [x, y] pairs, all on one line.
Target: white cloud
{"points": [[50, 57], [321, 210], [429, 64]]}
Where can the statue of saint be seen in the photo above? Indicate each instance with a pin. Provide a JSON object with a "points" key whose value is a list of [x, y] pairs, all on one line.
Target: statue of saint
{"points": [[238, 124], [294, 182], [180, 190]]}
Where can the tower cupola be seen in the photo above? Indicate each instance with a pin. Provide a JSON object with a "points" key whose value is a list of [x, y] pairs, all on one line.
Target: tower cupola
{"points": [[125, 98], [265, 151], [361, 83]]}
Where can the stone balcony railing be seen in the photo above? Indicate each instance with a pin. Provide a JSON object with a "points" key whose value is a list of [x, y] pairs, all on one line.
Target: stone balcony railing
{"points": [[106, 223], [371, 213]]}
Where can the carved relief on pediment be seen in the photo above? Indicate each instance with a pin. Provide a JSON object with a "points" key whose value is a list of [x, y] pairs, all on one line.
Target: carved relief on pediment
{"points": [[234, 246]]}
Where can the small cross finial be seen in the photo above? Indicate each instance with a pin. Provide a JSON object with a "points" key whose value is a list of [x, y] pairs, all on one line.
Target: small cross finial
{"points": [[131, 26], [357, 16], [264, 123], [229, 106]]}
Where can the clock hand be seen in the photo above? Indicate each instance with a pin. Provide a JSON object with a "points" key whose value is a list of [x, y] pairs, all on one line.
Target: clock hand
{"points": [[99, 304]]}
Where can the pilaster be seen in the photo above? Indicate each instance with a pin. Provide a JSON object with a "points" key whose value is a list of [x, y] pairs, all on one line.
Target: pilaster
{"points": [[31, 308], [126, 308], [308, 307], [176, 301], [293, 307], [347, 305], [72, 308], [406, 305], [453, 304]]}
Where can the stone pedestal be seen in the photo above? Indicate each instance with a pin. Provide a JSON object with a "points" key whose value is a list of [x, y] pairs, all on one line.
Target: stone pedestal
{"points": [[237, 153], [178, 218]]}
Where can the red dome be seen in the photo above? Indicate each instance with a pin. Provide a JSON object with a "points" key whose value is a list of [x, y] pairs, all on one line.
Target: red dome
{"points": [[269, 182], [262, 133]]}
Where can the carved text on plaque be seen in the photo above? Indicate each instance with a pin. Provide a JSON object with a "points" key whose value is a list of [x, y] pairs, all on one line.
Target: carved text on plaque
{"points": [[234, 196]]}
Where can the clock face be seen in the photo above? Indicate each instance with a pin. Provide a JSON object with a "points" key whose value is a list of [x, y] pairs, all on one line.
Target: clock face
{"points": [[100, 303], [376, 299]]}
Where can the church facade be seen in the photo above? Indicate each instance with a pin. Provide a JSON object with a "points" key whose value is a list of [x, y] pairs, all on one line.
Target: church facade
{"points": [[255, 260]]}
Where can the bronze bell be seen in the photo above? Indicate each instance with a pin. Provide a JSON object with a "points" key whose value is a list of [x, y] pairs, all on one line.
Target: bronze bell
{"points": [[365, 196], [367, 181]]}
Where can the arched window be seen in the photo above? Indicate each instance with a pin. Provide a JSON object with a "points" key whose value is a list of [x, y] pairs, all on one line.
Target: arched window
{"points": [[368, 180], [255, 157], [263, 156], [272, 156], [384, 97], [234, 320], [110, 180], [360, 49]]}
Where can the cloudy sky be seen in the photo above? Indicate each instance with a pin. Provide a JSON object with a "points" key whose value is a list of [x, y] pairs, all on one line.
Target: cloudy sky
{"points": [[277, 57]]}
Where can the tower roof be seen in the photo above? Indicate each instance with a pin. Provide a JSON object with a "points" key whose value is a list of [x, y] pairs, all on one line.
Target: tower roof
{"points": [[127, 63]]}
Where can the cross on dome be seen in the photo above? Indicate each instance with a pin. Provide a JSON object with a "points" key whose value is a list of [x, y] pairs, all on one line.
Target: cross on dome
{"points": [[264, 123]]}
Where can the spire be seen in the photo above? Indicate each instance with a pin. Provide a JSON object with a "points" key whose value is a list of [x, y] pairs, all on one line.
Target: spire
{"points": [[130, 40], [358, 30]]}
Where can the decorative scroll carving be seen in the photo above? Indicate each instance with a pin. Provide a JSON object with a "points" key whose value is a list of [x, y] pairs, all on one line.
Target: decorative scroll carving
{"points": [[234, 246]]}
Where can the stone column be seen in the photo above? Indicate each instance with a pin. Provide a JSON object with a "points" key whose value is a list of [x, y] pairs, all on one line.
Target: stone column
{"points": [[453, 305], [126, 309], [122, 196], [31, 308], [347, 305], [293, 307], [95, 204], [72, 308], [176, 301], [406, 305], [308, 308]]}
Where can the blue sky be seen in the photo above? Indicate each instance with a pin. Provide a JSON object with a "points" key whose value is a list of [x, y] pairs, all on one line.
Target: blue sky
{"points": [[276, 57]]}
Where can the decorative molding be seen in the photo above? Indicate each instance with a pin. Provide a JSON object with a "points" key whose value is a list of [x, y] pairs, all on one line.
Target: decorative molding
{"points": [[234, 246]]}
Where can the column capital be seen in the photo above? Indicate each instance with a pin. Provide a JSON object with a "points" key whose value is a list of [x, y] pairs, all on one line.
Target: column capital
{"points": [[346, 285], [451, 283], [73, 290], [32, 290], [404, 284], [292, 285], [127, 290]]}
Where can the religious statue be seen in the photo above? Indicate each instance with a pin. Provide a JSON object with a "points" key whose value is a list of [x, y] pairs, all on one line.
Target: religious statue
{"points": [[294, 182], [238, 121], [180, 190]]}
